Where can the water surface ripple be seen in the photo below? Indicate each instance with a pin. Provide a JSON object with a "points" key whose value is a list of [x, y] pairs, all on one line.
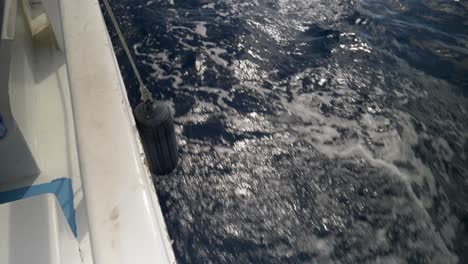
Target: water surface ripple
{"points": [[310, 131]]}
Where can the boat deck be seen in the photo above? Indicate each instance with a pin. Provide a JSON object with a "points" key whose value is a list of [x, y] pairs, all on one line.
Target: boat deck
{"points": [[40, 147], [71, 133]]}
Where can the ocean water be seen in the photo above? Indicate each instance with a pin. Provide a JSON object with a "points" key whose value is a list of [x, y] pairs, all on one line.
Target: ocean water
{"points": [[309, 131]]}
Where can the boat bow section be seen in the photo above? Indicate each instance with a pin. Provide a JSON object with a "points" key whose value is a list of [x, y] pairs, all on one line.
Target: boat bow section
{"points": [[125, 220]]}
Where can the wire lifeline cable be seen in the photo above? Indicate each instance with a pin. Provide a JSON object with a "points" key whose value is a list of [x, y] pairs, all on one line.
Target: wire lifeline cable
{"points": [[145, 93]]}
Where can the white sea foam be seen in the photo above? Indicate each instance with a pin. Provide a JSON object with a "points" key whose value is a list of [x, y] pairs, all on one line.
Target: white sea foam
{"points": [[383, 139], [200, 29], [210, 6]]}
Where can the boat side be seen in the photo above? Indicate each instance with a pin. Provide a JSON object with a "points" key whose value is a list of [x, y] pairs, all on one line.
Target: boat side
{"points": [[125, 219]]}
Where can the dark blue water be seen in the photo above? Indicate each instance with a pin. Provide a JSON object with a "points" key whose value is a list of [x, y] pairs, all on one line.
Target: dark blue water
{"points": [[310, 131]]}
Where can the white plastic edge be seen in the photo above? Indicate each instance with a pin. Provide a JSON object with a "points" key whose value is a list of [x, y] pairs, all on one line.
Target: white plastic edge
{"points": [[125, 219], [9, 19]]}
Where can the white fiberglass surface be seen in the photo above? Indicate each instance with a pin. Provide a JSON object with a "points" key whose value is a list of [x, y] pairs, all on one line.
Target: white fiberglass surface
{"points": [[40, 102]]}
